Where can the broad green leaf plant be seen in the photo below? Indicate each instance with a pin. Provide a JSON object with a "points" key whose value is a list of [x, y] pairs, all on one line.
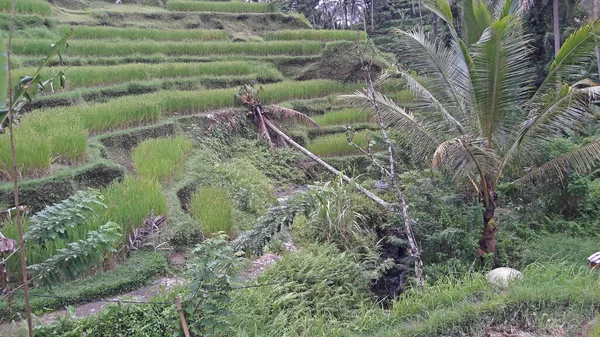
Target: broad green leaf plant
{"points": [[476, 113]]}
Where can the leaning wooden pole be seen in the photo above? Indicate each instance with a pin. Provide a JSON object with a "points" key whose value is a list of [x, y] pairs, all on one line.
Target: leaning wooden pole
{"points": [[15, 176]]}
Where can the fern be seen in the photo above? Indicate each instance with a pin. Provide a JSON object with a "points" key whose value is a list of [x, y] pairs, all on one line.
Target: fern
{"points": [[78, 256], [54, 221]]}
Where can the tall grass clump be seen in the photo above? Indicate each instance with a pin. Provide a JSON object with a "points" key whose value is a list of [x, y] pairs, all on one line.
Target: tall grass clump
{"points": [[160, 159], [212, 208], [128, 48], [337, 144], [129, 202], [95, 75], [311, 34], [96, 33], [27, 7], [342, 117], [222, 6]]}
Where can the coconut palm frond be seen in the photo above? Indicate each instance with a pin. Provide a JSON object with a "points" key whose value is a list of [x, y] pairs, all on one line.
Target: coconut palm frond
{"points": [[477, 17], [279, 113], [581, 160], [504, 8], [576, 51], [397, 118], [442, 9], [464, 157], [447, 77], [501, 78], [560, 111]]}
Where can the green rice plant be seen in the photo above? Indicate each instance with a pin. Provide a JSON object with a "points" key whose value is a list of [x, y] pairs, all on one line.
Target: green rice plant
{"points": [[212, 208], [27, 7], [33, 154], [117, 113], [310, 34], [65, 134], [131, 201], [337, 144], [127, 111], [127, 48], [160, 159], [221, 6], [97, 33], [343, 117], [95, 75]]}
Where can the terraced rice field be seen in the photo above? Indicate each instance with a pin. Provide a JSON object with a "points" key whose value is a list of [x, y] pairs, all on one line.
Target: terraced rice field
{"points": [[135, 73]]}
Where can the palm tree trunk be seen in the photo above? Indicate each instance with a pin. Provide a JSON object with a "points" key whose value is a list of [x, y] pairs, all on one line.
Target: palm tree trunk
{"points": [[330, 168], [487, 244], [435, 27], [555, 26]]}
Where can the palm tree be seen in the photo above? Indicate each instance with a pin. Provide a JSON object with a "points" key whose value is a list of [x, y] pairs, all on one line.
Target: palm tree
{"points": [[476, 114], [264, 119]]}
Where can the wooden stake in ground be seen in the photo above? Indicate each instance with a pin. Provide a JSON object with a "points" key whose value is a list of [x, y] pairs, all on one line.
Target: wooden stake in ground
{"points": [[186, 331]]}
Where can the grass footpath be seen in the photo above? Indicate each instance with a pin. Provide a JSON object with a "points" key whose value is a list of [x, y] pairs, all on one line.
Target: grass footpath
{"points": [[135, 272]]}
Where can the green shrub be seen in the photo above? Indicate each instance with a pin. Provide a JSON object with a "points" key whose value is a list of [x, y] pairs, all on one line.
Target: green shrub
{"points": [[96, 33], [160, 159], [318, 281], [310, 34], [96, 75], [343, 117], [212, 208], [128, 48], [222, 6], [146, 320], [27, 7], [130, 202]]}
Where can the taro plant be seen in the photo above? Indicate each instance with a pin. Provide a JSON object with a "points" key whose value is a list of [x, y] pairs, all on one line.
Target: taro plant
{"points": [[55, 221], [78, 256]]}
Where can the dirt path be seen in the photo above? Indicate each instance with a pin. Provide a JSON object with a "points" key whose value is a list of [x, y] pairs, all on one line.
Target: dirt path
{"points": [[142, 294]]}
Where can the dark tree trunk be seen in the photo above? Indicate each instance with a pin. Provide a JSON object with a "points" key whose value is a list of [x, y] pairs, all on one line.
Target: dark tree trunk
{"points": [[435, 27], [372, 15]]}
